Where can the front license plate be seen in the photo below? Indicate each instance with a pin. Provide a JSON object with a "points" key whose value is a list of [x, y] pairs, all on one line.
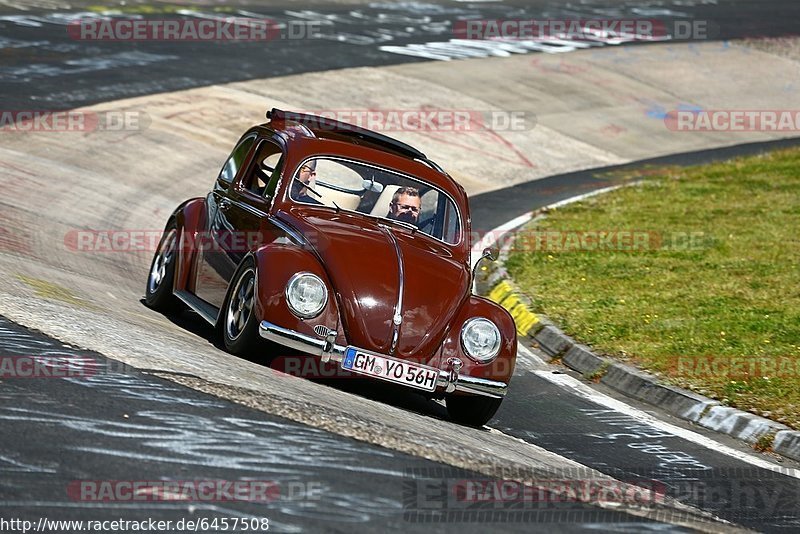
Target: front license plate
{"points": [[390, 369]]}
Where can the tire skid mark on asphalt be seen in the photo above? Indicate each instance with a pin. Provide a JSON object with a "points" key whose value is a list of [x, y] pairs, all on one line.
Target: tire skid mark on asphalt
{"points": [[167, 436]]}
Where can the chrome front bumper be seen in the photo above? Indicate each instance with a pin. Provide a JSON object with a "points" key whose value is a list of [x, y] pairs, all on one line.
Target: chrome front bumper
{"points": [[327, 350]]}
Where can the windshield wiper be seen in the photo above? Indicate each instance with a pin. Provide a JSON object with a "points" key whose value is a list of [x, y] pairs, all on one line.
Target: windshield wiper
{"points": [[317, 194]]}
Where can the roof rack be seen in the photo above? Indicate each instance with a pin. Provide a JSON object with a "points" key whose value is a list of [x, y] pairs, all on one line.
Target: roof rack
{"points": [[320, 125]]}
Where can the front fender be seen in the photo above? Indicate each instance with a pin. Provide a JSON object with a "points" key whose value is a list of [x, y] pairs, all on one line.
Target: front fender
{"points": [[276, 264], [502, 367]]}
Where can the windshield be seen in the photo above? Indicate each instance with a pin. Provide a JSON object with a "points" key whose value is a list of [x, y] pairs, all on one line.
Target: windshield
{"points": [[377, 192]]}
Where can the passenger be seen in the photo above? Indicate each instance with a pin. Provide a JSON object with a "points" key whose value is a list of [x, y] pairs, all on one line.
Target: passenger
{"points": [[405, 205], [299, 192]]}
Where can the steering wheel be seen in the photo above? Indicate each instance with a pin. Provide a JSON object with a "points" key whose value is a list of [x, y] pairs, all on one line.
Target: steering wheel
{"points": [[427, 222]]}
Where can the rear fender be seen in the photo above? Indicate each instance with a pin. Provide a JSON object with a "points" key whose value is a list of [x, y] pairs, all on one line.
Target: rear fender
{"points": [[189, 218]]}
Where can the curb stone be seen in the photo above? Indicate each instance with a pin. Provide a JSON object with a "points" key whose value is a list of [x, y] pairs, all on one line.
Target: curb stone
{"points": [[583, 360], [553, 341], [645, 387], [787, 443]]}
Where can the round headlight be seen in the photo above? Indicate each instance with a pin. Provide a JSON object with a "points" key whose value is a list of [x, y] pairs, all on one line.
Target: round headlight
{"points": [[481, 339], [306, 294]]}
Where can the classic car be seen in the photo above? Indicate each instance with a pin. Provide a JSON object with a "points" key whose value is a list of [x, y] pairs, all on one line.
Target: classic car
{"points": [[347, 245]]}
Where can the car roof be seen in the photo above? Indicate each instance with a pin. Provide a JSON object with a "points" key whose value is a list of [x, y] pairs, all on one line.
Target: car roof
{"points": [[314, 134], [323, 127]]}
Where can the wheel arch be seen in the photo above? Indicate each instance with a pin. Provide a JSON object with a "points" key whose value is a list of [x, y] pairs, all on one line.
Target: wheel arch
{"points": [[189, 217]]}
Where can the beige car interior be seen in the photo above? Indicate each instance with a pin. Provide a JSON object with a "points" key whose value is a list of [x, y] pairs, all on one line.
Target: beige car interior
{"points": [[331, 172], [346, 201]]}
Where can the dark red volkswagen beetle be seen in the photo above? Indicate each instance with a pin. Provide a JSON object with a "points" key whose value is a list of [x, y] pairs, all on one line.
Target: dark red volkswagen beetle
{"points": [[345, 244]]}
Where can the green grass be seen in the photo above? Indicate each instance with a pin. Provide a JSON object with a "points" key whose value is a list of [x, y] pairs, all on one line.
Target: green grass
{"points": [[732, 295]]}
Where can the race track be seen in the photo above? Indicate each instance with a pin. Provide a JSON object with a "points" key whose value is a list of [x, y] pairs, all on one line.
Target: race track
{"points": [[601, 107]]}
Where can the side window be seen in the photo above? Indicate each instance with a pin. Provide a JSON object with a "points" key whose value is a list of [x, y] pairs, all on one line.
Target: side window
{"points": [[274, 179], [452, 224], [236, 160], [265, 170]]}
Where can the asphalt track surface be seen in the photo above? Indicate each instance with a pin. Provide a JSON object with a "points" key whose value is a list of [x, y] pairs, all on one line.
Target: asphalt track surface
{"points": [[84, 427], [108, 422]]}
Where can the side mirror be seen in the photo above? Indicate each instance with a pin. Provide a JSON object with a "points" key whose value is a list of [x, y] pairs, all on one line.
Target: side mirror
{"points": [[488, 253]]}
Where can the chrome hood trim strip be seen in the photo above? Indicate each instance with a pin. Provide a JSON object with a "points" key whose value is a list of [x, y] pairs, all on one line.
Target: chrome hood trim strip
{"points": [[397, 318], [289, 230]]}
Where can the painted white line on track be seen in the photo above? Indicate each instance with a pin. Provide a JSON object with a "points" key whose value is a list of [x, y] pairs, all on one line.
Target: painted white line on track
{"points": [[530, 360], [491, 237], [580, 389], [590, 194]]}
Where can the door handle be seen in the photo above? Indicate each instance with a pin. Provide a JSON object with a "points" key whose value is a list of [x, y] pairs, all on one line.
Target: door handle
{"points": [[224, 204]]}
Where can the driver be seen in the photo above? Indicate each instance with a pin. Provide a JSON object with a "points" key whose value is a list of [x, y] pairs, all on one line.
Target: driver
{"points": [[405, 205], [304, 175]]}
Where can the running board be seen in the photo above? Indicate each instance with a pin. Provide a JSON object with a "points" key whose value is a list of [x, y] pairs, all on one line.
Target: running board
{"points": [[203, 308]]}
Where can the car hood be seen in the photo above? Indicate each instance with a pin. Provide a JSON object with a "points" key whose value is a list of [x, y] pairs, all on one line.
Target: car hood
{"points": [[363, 260]]}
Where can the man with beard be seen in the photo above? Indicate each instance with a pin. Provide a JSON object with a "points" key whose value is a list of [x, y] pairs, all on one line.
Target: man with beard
{"points": [[405, 205]]}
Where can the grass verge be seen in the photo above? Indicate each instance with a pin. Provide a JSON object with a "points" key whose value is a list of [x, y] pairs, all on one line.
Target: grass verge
{"points": [[693, 275]]}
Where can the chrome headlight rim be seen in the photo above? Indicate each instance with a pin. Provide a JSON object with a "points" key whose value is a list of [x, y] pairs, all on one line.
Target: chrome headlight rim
{"points": [[485, 359], [295, 277]]}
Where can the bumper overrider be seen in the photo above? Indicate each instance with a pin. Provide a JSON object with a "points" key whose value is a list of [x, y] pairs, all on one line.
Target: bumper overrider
{"points": [[328, 350]]}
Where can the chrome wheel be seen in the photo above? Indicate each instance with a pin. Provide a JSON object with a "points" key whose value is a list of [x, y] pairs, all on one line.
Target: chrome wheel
{"points": [[164, 257], [240, 305]]}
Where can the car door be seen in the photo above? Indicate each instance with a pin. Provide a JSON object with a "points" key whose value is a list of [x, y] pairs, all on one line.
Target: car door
{"points": [[215, 270]]}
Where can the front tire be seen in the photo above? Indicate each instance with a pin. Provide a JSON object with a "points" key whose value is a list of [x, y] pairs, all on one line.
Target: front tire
{"points": [[161, 279], [239, 321], [471, 411]]}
